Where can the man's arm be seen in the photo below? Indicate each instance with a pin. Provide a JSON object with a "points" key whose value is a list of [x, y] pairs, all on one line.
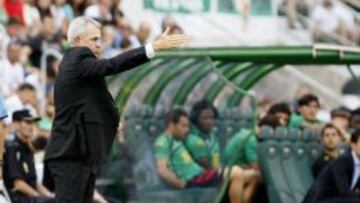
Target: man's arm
{"points": [[168, 175], [23, 187], [197, 148], [89, 66]]}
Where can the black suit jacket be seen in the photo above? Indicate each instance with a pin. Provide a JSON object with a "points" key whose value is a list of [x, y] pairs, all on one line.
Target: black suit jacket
{"points": [[333, 183], [86, 118]]}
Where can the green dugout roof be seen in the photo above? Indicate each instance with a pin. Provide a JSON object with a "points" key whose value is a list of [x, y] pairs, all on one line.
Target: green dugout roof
{"points": [[245, 65]]}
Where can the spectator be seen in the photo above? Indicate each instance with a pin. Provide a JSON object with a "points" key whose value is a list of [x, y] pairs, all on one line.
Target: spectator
{"points": [[168, 21], [13, 28], [51, 73], [331, 17], [340, 181], [202, 143], [144, 33], [355, 119], [78, 7], [62, 13], [25, 98], [302, 90], [108, 41], [115, 8], [4, 38], [4, 197], [125, 35], [12, 74], [44, 8], [308, 107], [3, 14], [19, 168], [48, 38], [347, 25], [341, 119], [185, 172], [100, 11], [14, 10], [282, 112], [31, 14], [331, 138], [118, 16], [295, 8], [46, 121]]}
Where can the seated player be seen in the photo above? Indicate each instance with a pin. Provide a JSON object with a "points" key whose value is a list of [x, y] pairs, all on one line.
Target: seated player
{"points": [[201, 142], [176, 166]]}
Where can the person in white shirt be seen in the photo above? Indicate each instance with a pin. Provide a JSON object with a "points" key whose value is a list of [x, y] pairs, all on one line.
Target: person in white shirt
{"points": [[25, 98], [100, 11], [12, 73], [332, 18]]}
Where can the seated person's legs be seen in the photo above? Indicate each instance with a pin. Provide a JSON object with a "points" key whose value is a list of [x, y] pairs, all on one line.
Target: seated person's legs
{"points": [[242, 183]]}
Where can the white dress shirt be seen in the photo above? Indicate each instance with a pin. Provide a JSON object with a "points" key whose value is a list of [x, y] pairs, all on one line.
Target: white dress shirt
{"points": [[11, 77], [13, 104], [356, 174], [149, 49]]}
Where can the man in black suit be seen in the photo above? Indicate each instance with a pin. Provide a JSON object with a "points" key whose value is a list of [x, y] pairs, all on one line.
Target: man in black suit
{"points": [[86, 119], [340, 181]]}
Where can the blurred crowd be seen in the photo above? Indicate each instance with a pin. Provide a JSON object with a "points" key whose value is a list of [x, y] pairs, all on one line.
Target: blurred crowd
{"points": [[334, 21], [32, 30], [32, 41]]}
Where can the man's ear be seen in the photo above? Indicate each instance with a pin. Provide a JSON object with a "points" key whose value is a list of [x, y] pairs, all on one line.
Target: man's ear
{"points": [[77, 40]]}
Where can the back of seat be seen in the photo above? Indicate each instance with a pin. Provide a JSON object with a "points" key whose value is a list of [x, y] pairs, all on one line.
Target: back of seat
{"points": [[295, 164], [314, 147], [270, 161]]}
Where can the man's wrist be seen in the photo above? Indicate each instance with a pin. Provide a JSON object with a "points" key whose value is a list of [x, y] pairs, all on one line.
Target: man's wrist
{"points": [[150, 52]]}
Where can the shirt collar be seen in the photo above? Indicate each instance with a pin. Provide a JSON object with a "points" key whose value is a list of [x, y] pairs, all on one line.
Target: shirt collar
{"points": [[195, 130], [356, 159]]}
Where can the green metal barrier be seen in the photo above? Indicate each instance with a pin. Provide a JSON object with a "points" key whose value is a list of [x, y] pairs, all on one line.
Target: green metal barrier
{"points": [[230, 74], [317, 54], [133, 80], [235, 62], [248, 82], [154, 93], [190, 83]]}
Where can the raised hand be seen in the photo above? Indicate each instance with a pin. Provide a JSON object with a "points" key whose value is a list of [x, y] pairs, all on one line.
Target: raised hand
{"points": [[167, 41]]}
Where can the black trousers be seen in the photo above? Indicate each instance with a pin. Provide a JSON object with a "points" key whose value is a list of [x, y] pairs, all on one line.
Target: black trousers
{"points": [[74, 180], [20, 198]]}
